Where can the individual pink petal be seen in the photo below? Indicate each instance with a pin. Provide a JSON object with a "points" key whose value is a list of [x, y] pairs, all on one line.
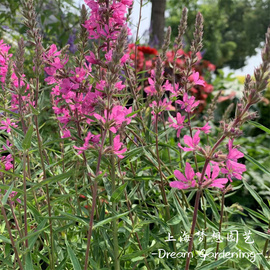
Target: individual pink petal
{"points": [[189, 172], [208, 171], [196, 138], [179, 175], [219, 182], [215, 172], [177, 184], [188, 141]]}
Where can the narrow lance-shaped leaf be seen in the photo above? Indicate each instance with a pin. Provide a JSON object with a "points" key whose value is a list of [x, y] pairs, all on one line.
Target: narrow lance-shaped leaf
{"points": [[26, 143], [5, 198]]}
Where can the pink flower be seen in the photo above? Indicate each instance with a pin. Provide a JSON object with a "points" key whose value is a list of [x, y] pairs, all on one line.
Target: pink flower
{"points": [[177, 123], [184, 181], [233, 169], [66, 86], [176, 90], [52, 53], [233, 154], [188, 103], [124, 58], [116, 147], [94, 139], [119, 86], [116, 118], [108, 56], [195, 78], [7, 161], [162, 105], [7, 124], [91, 58], [206, 128], [212, 180], [191, 142], [66, 134], [12, 195]]}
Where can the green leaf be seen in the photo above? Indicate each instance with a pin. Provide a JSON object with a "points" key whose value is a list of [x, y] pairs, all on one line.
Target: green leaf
{"points": [[79, 219], [10, 173], [18, 144], [33, 237], [117, 194], [4, 239], [62, 264], [8, 111], [109, 219], [183, 214], [26, 143], [52, 179], [212, 203], [131, 114], [34, 111], [73, 258], [261, 167], [5, 198], [257, 197], [174, 220], [213, 265], [28, 262], [145, 239], [267, 130]]}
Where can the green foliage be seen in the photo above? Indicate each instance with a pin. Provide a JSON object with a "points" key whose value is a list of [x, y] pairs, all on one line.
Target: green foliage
{"points": [[229, 32]]}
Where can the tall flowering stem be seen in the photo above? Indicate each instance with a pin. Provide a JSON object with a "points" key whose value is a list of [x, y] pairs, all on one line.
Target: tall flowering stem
{"points": [[94, 201], [34, 35], [11, 237]]}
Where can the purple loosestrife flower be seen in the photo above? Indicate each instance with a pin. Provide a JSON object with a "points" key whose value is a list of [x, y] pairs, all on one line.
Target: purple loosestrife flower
{"points": [[233, 154], [212, 180], [233, 169], [7, 161], [12, 195], [191, 142], [116, 147], [7, 124], [94, 139], [188, 103], [177, 123], [195, 79], [184, 182], [206, 128]]}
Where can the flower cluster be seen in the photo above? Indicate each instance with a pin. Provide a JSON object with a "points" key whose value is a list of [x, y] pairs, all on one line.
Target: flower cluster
{"points": [[224, 164], [79, 100], [106, 20]]}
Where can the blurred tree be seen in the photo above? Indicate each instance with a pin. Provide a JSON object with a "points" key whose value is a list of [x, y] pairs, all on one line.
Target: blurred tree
{"points": [[233, 29], [57, 19], [157, 22]]}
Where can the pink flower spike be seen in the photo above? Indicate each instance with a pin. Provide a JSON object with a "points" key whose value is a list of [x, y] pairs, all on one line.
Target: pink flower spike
{"points": [[195, 78], [234, 169], [117, 145], [184, 182], [188, 103], [191, 142]]}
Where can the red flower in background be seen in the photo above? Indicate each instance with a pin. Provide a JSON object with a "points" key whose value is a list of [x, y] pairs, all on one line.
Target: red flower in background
{"points": [[147, 50], [145, 61]]}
